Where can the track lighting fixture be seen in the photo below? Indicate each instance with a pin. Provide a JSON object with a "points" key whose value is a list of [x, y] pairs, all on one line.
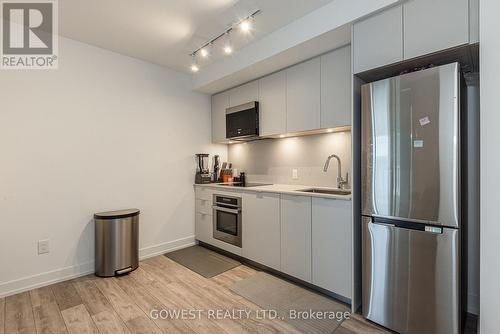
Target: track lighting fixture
{"points": [[244, 25]]}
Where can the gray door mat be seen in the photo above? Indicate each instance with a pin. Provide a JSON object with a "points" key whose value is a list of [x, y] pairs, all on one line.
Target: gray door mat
{"points": [[203, 261], [272, 293]]}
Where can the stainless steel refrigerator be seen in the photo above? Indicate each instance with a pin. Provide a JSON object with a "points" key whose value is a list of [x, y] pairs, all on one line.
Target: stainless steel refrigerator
{"points": [[411, 206]]}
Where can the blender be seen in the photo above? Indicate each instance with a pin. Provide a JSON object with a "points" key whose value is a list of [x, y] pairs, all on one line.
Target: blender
{"points": [[202, 171]]}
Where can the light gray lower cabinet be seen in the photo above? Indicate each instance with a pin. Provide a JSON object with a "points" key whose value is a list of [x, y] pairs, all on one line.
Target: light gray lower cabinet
{"points": [[203, 193], [203, 214], [261, 228], [203, 227], [332, 245], [296, 236], [336, 88]]}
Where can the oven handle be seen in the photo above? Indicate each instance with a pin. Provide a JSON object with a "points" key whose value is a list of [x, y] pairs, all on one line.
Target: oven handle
{"points": [[218, 208], [226, 204]]}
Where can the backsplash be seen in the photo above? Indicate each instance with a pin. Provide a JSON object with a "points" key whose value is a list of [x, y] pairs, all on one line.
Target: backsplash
{"points": [[272, 160]]}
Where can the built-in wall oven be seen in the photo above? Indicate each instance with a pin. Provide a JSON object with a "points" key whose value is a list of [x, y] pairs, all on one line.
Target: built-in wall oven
{"points": [[227, 219]]}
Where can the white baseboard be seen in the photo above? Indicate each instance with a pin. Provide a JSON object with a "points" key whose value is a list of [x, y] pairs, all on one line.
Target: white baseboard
{"points": [[165, 247], [473, 304], [50, 277], [63, 274]]}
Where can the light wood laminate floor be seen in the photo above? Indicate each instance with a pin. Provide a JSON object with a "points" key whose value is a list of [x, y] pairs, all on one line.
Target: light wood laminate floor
{"points": [[124, 304]]}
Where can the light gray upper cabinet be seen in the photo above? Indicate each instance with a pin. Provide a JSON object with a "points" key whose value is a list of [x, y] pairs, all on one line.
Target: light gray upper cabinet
{"points": [[261, 237], [378, 40], [312, 95], [219, 104], [336, 88], [272, 104], [243, 94], [296, 236], [303, 99], [474, 21], [434, 25], [332, 245]]}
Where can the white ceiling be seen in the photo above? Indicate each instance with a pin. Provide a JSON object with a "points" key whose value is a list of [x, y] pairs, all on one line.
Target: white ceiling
{"points": [[166, 31]]}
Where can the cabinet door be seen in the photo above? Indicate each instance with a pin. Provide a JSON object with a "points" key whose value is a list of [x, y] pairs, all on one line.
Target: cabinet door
{"points": [[434, 25], [261, 229], [203, 227], [336, 88], [378, 40], [203, 206], [203, 193], [473, 21], [219, 104], [272, 104], [303, 96], [332, 245], [296, 236], [243, 94]]}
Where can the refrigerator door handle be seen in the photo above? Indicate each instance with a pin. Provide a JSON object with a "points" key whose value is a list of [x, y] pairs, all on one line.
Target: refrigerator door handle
{"points": [[407, 225], [420, 221]]}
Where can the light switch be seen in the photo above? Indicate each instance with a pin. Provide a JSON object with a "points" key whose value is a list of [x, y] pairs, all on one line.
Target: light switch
{"points": [[295, 174]]}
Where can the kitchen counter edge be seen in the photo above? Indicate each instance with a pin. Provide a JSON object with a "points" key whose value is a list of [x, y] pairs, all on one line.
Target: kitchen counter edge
{"points": [[277, 189]]}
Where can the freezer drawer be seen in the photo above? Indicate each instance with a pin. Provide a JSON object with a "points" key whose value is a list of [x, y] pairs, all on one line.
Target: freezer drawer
{"points": [[411, 278]]}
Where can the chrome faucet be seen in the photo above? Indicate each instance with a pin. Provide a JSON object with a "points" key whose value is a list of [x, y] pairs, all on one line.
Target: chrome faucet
{"points": [[341, 182]]}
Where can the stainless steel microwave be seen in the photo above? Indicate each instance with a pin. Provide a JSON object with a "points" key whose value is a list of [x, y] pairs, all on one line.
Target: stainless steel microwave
{"points": [[242, 122]]}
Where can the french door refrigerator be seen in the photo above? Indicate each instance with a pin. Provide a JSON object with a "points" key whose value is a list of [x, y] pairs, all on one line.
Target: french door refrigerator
{"points": [[410, 161]]}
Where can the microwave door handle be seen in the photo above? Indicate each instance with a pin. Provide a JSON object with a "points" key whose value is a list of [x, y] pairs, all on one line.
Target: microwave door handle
{"points": [[234, 211]]}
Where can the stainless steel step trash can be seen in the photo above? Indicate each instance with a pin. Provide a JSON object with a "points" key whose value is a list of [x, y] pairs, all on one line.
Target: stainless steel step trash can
{"points": [[116, 242]]}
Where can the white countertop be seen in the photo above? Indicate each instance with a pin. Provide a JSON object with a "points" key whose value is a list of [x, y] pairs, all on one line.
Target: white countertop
{"points": [[278, 188]]}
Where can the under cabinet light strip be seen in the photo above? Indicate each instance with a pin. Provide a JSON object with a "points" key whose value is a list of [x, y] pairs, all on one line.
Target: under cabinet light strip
{"points": [[228, 30]]}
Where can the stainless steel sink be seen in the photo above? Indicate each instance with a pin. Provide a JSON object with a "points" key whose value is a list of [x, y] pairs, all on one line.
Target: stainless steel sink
{"points": [[327, 191]]}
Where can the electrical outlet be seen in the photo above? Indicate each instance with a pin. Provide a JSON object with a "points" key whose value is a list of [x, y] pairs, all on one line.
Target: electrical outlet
{"points": [[295, 174], [43, 247]]}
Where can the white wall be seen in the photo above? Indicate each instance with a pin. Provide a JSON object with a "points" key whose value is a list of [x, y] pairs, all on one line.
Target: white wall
{"points": [[102, 132], [272, 160], [490, 162]]}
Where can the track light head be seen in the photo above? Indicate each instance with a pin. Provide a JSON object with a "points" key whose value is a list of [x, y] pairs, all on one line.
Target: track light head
{"points": [[205, 51], [228, 48], [194, 65], [246, 25]]}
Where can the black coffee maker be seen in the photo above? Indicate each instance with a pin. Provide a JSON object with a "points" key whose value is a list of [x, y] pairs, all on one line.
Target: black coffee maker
{"points": [[202, 172]]}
